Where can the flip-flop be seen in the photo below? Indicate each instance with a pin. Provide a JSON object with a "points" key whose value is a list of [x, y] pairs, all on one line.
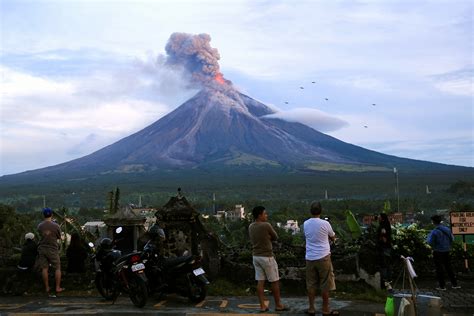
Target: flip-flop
{"points": [[307, 312], [284, 309], [60, 290], [264, 310], [331, 313]]}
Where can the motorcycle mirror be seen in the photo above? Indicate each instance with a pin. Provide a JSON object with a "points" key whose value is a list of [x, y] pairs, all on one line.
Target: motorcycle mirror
{"points": [[91, 244], [119, 229]]}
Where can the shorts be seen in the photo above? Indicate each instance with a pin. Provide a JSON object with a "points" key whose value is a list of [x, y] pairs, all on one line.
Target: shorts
{"points": [[266, 268], [48, 256], [320, 274]]}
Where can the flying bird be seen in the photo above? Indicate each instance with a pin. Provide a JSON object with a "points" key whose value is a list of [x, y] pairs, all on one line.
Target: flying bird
{"points": [[326, 99], [313, 81], [365, 126], [286, 102], [301, 87], [373, 104]]}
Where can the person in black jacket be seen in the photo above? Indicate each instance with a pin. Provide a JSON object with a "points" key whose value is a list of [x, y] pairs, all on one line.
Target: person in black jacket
{"points": [[29, 251], [76, 255], [384, 248]]}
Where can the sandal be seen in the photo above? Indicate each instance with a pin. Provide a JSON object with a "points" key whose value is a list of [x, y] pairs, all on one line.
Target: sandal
{"points": [[307, 312], [264, 310], [331, 313], [283, 309]]}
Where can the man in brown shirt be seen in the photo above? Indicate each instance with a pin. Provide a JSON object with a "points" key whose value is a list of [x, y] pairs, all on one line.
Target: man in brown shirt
{"points": [[266, 268], [48, 250]]}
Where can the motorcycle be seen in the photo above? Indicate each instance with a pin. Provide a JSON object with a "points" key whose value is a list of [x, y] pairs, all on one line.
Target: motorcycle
{"points": [[182, 275], [116, 273]]}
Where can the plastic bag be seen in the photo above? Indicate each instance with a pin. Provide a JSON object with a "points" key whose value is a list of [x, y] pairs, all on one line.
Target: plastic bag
{"points": [[389, 306]]}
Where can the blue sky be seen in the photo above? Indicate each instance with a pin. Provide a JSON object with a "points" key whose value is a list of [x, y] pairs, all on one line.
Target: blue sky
{"points": [[79, 75]]}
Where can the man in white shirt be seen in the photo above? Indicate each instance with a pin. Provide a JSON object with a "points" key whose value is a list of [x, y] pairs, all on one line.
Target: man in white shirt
{"points": [[319, 271]]}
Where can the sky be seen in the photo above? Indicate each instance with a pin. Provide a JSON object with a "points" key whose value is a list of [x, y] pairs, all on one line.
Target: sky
{"points": [[391, 76]]}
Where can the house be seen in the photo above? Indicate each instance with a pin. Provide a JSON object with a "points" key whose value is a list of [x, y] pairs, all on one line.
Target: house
{"points": [[291, 225], [238, 213]]}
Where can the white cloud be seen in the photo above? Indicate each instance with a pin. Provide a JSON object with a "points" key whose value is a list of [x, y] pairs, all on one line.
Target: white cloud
{"points": [[316, 119], [43, 114], [15, 84], [459, 82], [364, 83]]}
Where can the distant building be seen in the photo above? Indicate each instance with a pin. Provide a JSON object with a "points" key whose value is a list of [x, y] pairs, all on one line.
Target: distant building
{"points": [[238, 213], [394, 218], [291, 225], [96, 228], [148, 214]]}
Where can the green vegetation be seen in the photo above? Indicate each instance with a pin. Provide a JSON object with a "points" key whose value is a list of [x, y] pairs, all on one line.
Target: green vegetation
{"points": [[345, 168]]}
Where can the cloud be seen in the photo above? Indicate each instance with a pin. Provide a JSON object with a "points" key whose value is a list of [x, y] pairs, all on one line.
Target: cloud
{"points": [[362, 82], [460, 82], [80, 114], [316, 119], [457, 151]]}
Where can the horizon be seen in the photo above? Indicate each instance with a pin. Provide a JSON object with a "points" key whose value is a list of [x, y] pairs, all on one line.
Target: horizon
{"points": [[401, 83]]}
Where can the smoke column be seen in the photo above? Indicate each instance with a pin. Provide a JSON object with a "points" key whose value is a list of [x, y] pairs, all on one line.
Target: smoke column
{"points": [[195, 54]]}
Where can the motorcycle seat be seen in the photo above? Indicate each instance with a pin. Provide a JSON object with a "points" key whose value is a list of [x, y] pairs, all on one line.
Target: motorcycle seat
{"points": [[171, 262]]}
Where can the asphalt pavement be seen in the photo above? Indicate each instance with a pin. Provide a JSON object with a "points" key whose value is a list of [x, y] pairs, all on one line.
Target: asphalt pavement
{"points": [[460, 303]]}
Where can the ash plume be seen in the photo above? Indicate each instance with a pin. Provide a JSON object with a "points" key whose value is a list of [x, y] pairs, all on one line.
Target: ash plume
{"points": [[195, 54]]}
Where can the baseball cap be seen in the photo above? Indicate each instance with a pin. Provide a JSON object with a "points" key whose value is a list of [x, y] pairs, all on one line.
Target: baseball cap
{"points": [[47, 212], [29, 236]]}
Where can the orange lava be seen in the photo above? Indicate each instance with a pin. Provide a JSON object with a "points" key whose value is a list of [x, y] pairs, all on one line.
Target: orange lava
{"points": [[219, 78]]}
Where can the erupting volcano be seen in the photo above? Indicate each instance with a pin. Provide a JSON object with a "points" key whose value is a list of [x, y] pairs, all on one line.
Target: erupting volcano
{"points": [[221, 127]]}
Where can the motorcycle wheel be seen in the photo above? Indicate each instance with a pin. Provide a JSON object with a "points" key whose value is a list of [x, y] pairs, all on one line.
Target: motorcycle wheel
{"points": [[105, 286], [197, 291], [138, 291]]}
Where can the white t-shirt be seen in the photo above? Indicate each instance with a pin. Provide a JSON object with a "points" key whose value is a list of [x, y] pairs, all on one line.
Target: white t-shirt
{"points": [[317, 233]]}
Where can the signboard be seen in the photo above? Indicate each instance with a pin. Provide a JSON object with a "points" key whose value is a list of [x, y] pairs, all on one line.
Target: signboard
{"points": [[462, 223]]}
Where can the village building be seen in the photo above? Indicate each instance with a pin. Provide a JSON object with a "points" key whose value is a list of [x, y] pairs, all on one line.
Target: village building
{"points": [[291, 225]]}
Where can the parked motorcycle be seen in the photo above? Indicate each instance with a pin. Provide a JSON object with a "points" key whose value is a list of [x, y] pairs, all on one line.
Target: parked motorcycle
{"points": [[116, 273], [182, 275]]}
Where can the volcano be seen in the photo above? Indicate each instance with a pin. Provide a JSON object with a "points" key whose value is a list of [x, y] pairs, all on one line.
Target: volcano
{"points": [[222, 128]]}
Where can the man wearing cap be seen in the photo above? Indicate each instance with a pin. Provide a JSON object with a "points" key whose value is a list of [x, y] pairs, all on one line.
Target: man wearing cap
{"points": [[48, 250], [440, 239]]}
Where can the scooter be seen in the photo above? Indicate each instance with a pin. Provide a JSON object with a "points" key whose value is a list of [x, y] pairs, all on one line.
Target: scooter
{"points": [[182, 275], [116, 273]]}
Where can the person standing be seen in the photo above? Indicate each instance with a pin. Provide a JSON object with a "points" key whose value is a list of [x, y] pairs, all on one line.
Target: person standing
{"points": [[384, 248], [48, 250], [76, 255], [440, 239], [261, 235], [29, 251], [319, 270]]}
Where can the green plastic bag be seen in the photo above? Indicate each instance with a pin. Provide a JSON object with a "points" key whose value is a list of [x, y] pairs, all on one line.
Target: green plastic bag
{"points": [[389, 306]]}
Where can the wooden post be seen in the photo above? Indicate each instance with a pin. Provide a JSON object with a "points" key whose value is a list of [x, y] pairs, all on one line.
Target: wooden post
{"points": [[464, 246], [135, 238]]}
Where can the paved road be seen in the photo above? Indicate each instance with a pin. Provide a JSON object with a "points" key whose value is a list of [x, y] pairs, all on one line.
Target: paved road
{"points": [[175, 305]]}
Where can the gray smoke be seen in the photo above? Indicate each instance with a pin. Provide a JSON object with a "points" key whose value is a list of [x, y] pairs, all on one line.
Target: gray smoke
{"points": [[195, 54]]}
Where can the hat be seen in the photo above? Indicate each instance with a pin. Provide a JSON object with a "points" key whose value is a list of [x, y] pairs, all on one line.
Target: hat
{"points": [[47, 212], [30, 236]]}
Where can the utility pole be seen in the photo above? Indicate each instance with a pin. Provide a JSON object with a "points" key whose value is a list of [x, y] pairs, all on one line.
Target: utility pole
{"points": [[214, 203], [397, 190]]}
